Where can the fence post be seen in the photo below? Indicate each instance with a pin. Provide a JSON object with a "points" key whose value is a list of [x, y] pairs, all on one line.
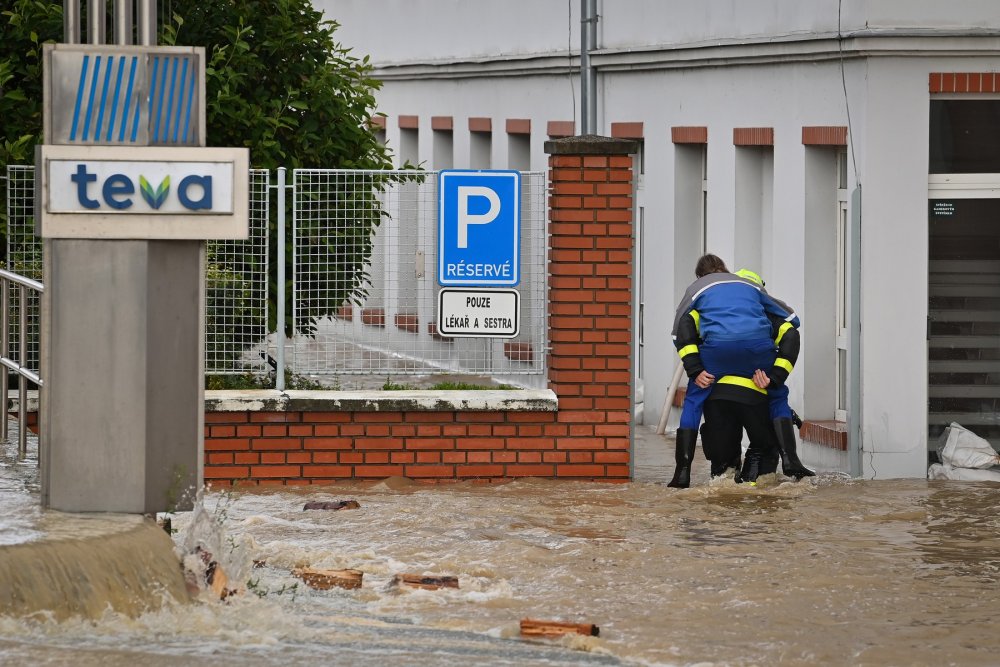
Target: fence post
{"points": [[22, 386], [4, 351], [279, 333]]}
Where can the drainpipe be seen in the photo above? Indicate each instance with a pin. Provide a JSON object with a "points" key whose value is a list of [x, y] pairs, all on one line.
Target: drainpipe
{"points": [[588, 76]]}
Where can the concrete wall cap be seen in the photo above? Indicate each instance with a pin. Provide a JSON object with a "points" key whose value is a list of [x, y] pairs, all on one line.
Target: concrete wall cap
{"points": [[271, 400], [591, 144]]}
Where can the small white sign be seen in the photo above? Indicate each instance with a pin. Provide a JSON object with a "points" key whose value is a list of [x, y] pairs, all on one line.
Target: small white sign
{"points": [[153, 192], [479, 313], [140, 188]]}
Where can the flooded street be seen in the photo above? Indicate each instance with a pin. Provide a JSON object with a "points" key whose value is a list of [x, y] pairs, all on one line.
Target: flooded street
{"points": [[823, 571]]}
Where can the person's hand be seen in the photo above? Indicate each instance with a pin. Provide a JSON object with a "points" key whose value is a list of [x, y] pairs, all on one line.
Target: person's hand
{"points": [[704, 379], [760, 379]]}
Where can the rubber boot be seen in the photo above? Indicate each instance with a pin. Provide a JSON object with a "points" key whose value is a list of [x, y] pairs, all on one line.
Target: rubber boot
{"points": [[768, 462], [687, 438], [722, 460], [719, 468], [784, 429], [751, 468]]}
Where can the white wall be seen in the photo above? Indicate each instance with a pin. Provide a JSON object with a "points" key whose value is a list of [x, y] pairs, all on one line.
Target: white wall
{"points": [[398, 31]]}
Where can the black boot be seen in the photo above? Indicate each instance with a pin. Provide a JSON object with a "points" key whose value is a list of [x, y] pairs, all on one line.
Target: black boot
{"points": [[751, 467], [719, 450], [687, 438], [768, 462], [719, 467], [784, 429]]}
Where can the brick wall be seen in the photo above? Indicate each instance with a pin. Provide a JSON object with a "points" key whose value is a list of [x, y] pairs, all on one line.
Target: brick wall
{"points": [[964, 82], [590, 329]]}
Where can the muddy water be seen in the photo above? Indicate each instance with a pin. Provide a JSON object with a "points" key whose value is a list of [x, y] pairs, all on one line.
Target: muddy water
{"points": [[824, 571]]}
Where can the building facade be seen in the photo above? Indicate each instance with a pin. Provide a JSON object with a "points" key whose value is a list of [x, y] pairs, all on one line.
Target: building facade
{"points": [[768, 130]]}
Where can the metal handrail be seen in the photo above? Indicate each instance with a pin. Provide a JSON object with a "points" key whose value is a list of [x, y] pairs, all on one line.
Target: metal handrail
{"points": [[19, 366]]}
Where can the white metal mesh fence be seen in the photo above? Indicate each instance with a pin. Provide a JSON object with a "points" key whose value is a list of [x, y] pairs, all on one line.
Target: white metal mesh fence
{"points": [[24, 256], [365, 288], [236, 292], [236, 278]]}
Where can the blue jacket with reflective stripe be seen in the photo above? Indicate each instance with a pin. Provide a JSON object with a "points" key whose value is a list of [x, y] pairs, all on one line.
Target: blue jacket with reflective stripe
{"points": [[731, 308]]}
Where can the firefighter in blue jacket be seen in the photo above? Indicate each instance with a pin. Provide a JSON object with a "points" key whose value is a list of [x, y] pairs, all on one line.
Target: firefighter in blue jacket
{"points": [[723, 334], [762, 457]]}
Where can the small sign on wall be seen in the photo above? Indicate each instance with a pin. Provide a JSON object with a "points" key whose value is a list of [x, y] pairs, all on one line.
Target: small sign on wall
{"points": [[142, 193], [478, 313], [479, 228]]}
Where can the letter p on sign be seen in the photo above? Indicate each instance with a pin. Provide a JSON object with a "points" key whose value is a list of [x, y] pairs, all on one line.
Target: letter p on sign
{"points": [[479, 228], [465, 192]]}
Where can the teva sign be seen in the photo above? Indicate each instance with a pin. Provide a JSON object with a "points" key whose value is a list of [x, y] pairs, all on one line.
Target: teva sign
{"points": [[151, 192], [147, 188]]}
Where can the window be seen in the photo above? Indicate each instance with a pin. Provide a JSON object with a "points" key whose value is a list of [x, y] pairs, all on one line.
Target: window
{"points": [[964, 137]]}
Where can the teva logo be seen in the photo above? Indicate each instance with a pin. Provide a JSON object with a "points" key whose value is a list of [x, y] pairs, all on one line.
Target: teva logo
{"points": [[109, 186], [117, 188]]}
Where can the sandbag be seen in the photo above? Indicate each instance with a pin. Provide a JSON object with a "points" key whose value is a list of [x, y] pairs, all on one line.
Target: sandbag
{"points": [[945, 471], [964, 449]]}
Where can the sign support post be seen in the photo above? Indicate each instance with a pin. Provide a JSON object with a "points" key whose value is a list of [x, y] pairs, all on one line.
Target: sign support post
{"points": [[123, 312]]}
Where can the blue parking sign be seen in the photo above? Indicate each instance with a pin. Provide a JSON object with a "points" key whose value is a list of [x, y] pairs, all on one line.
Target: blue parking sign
{"points": [[479, 228]]}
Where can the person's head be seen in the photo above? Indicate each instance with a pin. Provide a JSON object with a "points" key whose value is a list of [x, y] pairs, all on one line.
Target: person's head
{"points": [[709, 264], [751, 276]]}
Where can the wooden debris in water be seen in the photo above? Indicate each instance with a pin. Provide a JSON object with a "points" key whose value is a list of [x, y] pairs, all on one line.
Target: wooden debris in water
{"points": [[257, 564], [324, 580], [335, 505], [217, 581], [215, 577], [429, 583], [536, 628]]}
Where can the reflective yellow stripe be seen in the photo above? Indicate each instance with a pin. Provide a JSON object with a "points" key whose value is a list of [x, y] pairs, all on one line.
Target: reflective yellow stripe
{"points": [[687, 349], [782, 331], [783, 363], [697, 320], [741, 382]]}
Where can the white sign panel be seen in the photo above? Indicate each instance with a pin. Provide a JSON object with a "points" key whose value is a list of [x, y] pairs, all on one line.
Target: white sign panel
{"points": [[479, 313], [150, 192], [140, 188]]}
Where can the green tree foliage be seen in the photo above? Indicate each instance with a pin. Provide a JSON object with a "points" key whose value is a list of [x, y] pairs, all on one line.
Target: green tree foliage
{"points": [[24, 26], [279, 84]]}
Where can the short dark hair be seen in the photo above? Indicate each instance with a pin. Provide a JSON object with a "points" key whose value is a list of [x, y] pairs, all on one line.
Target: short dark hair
{"points": [[709, 264]]}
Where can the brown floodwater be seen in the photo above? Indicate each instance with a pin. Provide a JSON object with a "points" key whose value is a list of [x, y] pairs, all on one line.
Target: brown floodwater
{"points": [[823, 571]]}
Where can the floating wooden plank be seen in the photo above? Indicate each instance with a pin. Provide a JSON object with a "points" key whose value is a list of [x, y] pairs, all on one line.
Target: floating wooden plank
{"points": [[324, 580], [536, 628], [429, 583], [335, 505]]}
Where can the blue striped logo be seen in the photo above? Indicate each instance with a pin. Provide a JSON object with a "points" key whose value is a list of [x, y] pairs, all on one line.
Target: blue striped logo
{"points": [[106, 109]]}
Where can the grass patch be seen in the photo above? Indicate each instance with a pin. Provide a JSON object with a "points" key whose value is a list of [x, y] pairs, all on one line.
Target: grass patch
{"points": [[252, 381]]}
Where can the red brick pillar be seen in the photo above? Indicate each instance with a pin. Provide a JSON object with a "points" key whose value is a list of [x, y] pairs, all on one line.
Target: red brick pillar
{"points": [[590, 302]]}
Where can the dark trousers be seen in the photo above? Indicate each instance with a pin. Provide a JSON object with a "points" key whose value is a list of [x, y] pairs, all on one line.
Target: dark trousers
{"points": [[722, 433]]}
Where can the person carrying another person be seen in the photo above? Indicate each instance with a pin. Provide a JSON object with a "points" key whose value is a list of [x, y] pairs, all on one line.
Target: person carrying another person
{"points": [[722, 333], [762, 457]]}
